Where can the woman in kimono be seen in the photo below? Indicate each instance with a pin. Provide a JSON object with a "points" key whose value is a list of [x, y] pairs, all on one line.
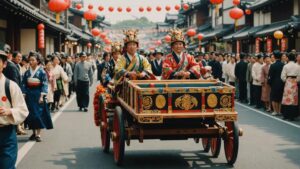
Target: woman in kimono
{"points": [[289, 75], [179, 64], [35, 89], [51, 81], [132, 65], [266, 89]]}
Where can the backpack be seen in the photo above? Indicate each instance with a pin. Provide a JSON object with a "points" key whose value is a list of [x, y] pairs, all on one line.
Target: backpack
{"points": [[7, 90]]}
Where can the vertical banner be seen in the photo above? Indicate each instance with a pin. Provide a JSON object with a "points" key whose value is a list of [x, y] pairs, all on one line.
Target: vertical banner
{"points": [[283, 44], [238, 46], [269, 45], [41, 36], [257, 45]]}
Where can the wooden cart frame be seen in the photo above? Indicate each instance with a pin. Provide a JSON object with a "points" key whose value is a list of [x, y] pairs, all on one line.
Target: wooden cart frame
{"points": [[170, 110]]}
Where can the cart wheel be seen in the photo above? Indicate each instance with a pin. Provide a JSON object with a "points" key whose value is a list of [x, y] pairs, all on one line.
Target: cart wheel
{"points": [[231, 142], [215, 146], [118, 136], [206, 144], [105, 138]]}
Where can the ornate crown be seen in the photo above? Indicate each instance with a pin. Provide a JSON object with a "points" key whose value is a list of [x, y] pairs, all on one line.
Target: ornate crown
{"points": [[176, 36], [116, 47], [130, 36]]}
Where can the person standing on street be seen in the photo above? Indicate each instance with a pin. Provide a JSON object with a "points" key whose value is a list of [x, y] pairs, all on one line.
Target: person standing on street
{"points": [[276, 83], [250, 80], [83, 78], [13, 111], [256, 75], [156, 64], [240, 74], [265, 94]]}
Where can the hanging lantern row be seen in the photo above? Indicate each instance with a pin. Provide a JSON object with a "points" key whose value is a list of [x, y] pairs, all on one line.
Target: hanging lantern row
{"points": [[140, 9]]}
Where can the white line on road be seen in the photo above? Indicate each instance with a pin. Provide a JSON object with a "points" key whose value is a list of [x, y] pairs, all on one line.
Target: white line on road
{"points": [[27, 146], [275, 118]]}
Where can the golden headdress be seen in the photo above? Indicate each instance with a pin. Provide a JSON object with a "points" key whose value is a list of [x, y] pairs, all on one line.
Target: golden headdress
{"points": [[116, 47], [130, 36], [176, 36]]}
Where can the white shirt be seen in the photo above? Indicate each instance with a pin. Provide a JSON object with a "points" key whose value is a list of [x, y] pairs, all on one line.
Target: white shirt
{"points": [[290, 69], [158, 61], [256, 73], [19, 109], [59, 72], [230, 71]]}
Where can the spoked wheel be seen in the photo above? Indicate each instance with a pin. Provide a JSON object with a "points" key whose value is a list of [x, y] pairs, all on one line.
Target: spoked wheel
{"points": [[206, 144], [231, 142], [215, 146], [118, 136], [105, 137]]}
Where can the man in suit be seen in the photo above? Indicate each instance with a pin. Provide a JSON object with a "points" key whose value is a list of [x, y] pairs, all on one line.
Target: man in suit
{"points": [[156, 64], [11, 71], [250, 80], [216, 66], [240, 74]]}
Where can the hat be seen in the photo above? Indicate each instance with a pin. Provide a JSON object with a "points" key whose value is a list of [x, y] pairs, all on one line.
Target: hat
{"points": [[130, 36], [82, 54], [158, 51], [176, 36], [4, 49], [116, 47]]}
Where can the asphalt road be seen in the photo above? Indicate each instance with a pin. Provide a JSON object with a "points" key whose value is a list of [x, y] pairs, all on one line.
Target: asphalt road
{"points": [[267, 143]]}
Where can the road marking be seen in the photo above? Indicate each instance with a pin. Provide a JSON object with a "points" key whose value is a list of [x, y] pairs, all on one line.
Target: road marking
{"points": [[273, 117], [29, 144]]}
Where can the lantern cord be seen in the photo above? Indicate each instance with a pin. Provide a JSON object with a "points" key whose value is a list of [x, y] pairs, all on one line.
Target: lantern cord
{"points": [[278, 42], [217, 9], [57, 18], [235, 23], [90, 24]]}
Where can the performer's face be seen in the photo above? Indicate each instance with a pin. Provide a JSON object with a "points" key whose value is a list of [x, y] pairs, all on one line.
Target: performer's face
{"points": [[116, 55], [158, 56], [177, 47], [131, 48], [33, 62]]}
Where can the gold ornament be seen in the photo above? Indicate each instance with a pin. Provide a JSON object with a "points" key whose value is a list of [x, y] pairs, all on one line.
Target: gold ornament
{"points": [[212, 100], [147, 102], [160, 101], [225, 101], [116, 47], [130, 36], [177, 36], [186, 102]]}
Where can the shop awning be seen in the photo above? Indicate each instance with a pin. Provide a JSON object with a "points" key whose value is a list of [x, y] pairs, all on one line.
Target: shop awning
{"points": [[79, 33], [70, 38], [248, 32], [270, 29], [27, 8], [260, 3], [204, 27], [230, 36], [219, 32]]}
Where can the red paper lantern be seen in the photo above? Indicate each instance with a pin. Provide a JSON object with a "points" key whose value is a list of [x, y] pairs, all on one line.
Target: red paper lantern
{"points": [[177, 7], [90, 15], [149, 9], [248, 12], [41, 26], [216, 2], [95, 32], [58, 6], [90, 6], [168, 8], [102, 35], [128, 9], [236, 13], [185, 7], [200, 36], [158, 8], [100, 8], [111, 9], [78, 6], [141, 9], [89, 45], [236, 2], [191, 32], [168, 38], [158, 42], [119, 9], [107, 41]]}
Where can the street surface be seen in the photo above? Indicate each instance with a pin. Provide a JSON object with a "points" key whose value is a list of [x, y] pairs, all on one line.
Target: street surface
{"points": [[268, 143]]}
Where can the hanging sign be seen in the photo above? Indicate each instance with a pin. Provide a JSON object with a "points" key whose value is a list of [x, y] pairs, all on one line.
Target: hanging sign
{"points": [[41, 36]]}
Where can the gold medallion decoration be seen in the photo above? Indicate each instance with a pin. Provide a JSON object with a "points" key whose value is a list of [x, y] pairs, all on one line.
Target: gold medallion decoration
{"points": [[186, 102], [212, 100], [160, 101], [147, 102], [225, 101]]}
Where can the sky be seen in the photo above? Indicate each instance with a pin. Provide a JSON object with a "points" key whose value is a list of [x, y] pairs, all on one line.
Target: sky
{"points": [[116, 16]]}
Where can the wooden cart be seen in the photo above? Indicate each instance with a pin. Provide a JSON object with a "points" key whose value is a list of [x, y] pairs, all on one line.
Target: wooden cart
{"points": [[166, 110]]}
